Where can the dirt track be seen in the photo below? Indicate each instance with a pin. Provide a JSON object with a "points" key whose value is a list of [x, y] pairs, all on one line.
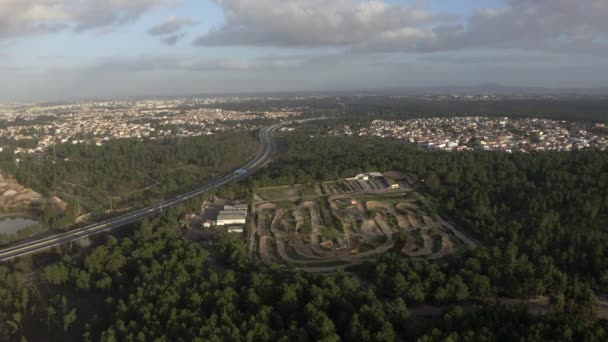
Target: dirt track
{"points": [[303, 249]]}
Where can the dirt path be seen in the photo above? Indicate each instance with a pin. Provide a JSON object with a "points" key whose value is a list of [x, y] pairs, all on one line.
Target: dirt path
{"points": [[304, 249], [368, 229], [470, 242], [347, 225], [315, 220], [446, 247], [299, 218], [281, 237], [428, 242], [388, 244], [401, 220], [281, 248], [253, 230], [264, 245], [413, 222], [280, 241], [412, 249]]}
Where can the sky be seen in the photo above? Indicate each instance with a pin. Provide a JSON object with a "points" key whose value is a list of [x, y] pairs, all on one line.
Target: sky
{"points": [[70, 49]]}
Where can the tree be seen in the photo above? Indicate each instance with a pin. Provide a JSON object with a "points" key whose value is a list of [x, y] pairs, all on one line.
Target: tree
{"points": [[57, 274]]}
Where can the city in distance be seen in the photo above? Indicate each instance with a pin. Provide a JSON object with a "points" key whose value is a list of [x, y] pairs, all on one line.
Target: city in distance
{"points": [[303, 170]]}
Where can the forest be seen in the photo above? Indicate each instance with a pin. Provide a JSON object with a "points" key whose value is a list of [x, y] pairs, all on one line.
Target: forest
{"points": [[128, 173], [156, 285], [543, 217]]}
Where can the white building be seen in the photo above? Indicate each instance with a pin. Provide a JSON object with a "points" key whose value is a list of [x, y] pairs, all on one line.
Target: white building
{"points": [[236, 229], [230, 219], [232, 215]]}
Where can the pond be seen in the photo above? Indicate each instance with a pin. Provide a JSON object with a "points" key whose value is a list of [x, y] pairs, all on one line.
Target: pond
{"points": [[11, 225]]}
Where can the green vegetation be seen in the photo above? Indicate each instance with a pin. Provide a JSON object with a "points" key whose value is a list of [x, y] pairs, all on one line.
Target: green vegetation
{"points": [[390, 219], [285, 204], [158, 285], [124, 174], [306, 226], [437, 242], [417, 235], [541, 219], [293, 192], [308, 191], [330, 233], [543, 210], [274, 194], [329, 219]]}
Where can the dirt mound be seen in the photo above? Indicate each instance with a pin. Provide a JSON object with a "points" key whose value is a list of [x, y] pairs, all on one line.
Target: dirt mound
{"points": [[404, 207], [13, 194], [447, 247], [373, 205], [368, 228], [412, 249]]}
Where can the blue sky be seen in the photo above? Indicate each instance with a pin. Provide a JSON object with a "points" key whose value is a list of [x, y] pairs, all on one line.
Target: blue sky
{"points": [[60, 49]]}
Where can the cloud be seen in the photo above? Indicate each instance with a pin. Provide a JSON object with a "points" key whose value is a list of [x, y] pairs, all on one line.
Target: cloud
{"points": [[171, 26], [170, 29], [94, 14], [165, 63], [538, 20], [568, 26], [311, 22], [480, 57], [50, 57], [24, 17], [197, 64], [173, 39], [552, 25]]}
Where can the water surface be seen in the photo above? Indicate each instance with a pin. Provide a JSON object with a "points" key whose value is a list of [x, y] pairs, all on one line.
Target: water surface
{"points": [[11, 225]]}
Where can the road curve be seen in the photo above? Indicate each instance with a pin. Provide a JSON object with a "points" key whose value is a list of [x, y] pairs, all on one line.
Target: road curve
{"points": [[261, 160]]}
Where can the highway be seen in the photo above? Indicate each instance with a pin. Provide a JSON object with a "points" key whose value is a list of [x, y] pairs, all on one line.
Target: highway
{"points": [[266, 154]]}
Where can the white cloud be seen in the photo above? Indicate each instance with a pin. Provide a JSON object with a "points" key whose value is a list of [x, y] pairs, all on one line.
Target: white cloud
{"points": [[311, 22], [171, 26], [569, 26], [22, 17], [166, 63], [376, 25], [173, 38], [171, 29]]}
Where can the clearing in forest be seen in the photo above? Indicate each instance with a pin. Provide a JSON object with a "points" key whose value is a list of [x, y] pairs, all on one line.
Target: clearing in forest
{"points": [[338, 224]]}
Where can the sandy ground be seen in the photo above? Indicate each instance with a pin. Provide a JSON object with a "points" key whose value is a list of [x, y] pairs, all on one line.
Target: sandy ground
{"points": [[263, 233], [351, 209], [388, 244], [446, 247]]}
